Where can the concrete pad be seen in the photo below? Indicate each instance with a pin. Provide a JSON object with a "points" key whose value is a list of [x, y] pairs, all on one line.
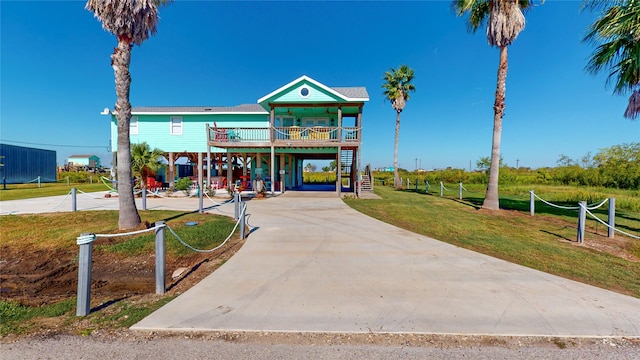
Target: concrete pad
{"points": [[315, 265]]}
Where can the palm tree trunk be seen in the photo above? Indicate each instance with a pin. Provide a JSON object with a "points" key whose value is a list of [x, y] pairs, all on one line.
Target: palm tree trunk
{"points": [[396, 176], [491, 200], [128, 217]]}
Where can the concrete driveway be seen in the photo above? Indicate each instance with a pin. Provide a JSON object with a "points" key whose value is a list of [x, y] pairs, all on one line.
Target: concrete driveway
{"points": [[315, 265]]}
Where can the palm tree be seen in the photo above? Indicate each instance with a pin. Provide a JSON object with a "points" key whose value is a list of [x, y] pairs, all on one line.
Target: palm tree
{"points": [[132, 22], [617, 37], [397, 87], [145, 161], [505, 20]]}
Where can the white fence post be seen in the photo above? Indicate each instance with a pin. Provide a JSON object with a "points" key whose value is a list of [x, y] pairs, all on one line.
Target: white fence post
{"points": [[612, 218], [236, 202], [582, 218], [441, 188], [200, 198], [532, 203], [460, 190], [144, 198], [83, 305], [426, 186], [242, 221], [160, 258], [74, 204]]}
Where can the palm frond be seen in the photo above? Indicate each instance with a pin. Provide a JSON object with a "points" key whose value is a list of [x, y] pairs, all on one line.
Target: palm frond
{"points": [[134, 21], [633, 108], [616, 35], [505, 23]]}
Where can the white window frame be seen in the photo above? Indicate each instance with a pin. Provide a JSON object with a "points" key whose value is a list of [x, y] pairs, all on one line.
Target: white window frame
{"points": [[177, 130], [134, 126], [315, 121]]}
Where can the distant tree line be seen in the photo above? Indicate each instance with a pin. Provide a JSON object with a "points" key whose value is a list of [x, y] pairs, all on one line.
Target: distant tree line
{"points": [[614, 167]]}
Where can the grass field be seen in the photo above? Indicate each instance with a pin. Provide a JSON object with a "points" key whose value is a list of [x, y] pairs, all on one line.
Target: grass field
{"points": [[546, 241], [40, 267], [28, 191]]}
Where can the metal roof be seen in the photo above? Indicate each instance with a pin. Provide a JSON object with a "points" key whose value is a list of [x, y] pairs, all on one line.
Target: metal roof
{"points": [[359, 92], [243, 108]]}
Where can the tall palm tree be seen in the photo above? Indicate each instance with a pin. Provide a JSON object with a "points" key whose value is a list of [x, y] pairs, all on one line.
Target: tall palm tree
{"points": [[505, 20], [145, 161], [132, 22], [617, 37], [397, 87]]}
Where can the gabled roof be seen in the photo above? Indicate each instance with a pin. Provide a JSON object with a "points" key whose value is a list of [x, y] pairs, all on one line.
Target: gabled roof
{"points": [[347, 94], [239, 109]]}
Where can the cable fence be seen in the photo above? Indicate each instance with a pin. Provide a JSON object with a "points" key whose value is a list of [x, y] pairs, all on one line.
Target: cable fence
{"points": [[85, 243]]}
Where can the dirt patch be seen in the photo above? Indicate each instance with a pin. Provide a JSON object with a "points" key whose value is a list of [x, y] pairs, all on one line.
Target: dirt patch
{"points": [[44, 277]]}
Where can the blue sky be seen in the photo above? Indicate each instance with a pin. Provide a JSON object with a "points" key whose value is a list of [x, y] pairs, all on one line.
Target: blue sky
{"points": [[56, 75]]}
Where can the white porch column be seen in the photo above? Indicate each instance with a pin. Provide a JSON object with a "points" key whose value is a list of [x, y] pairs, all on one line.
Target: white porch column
{"points": [[200, 177], [229, 170], [273, 169], [208, 167], [339, 172]]}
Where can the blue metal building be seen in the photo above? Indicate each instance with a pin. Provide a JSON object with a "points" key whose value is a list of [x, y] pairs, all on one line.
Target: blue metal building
{"points": [[24, 164]]}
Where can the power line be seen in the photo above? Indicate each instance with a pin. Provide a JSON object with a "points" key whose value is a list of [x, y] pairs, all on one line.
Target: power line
{"points": [[39, 144]]}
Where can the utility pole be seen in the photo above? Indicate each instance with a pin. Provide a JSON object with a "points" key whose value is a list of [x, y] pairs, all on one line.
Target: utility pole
{"points": [[416, 163], [517, 163]]}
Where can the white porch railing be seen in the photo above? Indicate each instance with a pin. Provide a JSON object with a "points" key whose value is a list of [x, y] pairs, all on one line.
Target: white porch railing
{"points": [[289, 134]]}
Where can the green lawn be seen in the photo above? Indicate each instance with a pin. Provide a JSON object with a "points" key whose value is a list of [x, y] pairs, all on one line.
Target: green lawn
{"points": [[28, 191], [545, 241]]}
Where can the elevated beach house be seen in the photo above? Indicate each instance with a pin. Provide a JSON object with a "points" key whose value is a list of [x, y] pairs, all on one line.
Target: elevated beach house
{"points": [[232, 146]]}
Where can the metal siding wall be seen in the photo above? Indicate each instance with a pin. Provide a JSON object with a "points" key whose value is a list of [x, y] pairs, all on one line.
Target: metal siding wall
{"points": [[155, 130], [24, 164]]}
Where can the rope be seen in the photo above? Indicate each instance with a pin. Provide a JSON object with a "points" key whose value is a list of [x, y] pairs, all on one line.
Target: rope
{"points": [[215, 248], [467, 190], [593, 207], [444, 187], [611, 227], [61, 201], [556, 206], [30, 181], [590, 207], [107, 185], [130, 233], [89, 195]]}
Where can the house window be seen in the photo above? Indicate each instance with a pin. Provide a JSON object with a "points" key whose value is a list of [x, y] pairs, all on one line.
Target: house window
{"points": [[304, 92], [176, 125], [133, 125]]}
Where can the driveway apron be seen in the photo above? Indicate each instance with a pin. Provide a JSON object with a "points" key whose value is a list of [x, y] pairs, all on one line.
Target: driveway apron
{"points": [[312, 264]]}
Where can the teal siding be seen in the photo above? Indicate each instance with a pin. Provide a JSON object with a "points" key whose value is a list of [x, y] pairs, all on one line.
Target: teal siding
{"points": [[317, 95], [155, 130]]}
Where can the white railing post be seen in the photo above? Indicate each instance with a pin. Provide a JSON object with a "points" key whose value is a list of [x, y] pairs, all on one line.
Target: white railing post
{"points": [[532, 203], [144, 198], [236, 202], [39, 184], [612, 218], [460, 190], [441, 188], [200, 197], [426, 186], [242, 221], [74, 204], [160, 258], [83, 304], [582, 217]]}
